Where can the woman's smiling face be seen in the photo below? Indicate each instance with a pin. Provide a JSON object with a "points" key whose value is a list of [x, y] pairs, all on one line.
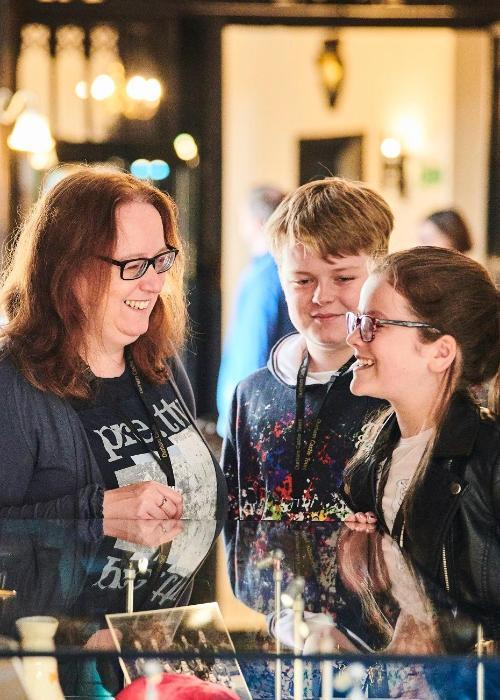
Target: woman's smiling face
{"points": [[125, 312]]}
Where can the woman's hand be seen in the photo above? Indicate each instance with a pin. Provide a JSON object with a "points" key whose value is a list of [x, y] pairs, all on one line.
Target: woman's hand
{"points": [[148, 533], [146, 500], [366, 522]]}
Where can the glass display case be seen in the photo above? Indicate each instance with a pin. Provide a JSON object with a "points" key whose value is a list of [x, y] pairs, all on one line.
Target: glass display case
{"points": [[265, 609]]}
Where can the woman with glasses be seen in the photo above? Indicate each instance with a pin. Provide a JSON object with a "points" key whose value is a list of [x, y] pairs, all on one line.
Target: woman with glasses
{"points": [[427, 470], [97, 411]]}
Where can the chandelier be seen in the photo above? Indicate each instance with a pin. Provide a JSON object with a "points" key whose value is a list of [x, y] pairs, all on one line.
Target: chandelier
{"points": [[134, 97]]}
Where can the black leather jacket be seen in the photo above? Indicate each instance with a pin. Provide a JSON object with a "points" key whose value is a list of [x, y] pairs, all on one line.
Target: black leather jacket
{"points": [[454, 534]]}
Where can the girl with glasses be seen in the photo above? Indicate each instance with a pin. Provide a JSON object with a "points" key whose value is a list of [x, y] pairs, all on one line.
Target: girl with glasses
{"points": [[97, 411], [427, 470]]}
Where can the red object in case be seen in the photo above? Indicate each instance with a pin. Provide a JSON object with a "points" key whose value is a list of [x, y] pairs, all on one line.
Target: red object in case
{"points": [[179, 687]]}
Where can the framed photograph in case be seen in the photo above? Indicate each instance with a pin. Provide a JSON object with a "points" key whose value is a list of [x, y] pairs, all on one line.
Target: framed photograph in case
{"points": [[192, 629]]}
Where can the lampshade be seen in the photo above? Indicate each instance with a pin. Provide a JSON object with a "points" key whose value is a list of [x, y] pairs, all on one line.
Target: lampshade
{"points": [[31, 133], [43, 160]]}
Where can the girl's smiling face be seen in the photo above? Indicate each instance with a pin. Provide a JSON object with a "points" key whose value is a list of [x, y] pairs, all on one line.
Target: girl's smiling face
{"points": [[395, 364]]}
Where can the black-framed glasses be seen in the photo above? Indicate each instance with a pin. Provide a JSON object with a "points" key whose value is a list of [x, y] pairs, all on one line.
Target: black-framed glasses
{"points": [[368, 324], [133, 269]]}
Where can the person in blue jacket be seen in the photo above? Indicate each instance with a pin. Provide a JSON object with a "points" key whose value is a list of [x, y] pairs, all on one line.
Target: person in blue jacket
{"points": [[260, 315]]}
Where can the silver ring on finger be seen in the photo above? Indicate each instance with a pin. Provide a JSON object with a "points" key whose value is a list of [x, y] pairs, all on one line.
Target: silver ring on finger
{"points": [[162, 506]]}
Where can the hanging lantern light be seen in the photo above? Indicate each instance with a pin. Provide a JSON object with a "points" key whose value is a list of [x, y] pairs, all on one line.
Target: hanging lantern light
{"points": [[331, 70]]}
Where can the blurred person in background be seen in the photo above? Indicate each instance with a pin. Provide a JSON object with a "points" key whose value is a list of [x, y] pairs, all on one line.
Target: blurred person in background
{"points": [[260, 316], [445, 229]]}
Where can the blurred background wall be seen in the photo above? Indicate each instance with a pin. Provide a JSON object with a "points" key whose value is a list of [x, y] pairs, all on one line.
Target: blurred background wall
{"points": [[431, 89]]}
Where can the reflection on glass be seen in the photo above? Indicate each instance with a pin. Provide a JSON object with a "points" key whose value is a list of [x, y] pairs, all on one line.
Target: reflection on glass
{"points": [[364, 602]]}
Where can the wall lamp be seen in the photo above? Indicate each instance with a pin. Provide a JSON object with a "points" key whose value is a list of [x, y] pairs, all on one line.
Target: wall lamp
{"points": [[393, 164], [31, 132], [331, 70]]}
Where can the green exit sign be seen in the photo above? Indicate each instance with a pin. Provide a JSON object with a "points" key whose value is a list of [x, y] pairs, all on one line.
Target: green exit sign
{"points": [[431, 176]]}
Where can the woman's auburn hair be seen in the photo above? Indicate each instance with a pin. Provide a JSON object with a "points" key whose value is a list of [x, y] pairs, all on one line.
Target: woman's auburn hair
{"points": [[69, 227]]}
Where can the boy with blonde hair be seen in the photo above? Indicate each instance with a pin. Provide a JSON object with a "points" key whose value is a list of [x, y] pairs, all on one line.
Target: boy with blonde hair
{"points": [[294, 424]]}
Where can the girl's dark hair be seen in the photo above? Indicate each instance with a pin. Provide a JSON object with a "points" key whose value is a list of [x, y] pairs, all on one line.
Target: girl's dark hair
{"points": [[363, 569], [452, 224], [69, 226]]}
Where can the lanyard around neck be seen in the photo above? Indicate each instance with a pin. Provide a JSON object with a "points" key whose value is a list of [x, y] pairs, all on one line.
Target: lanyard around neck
{"points": [[163, 457], [304, 454]]}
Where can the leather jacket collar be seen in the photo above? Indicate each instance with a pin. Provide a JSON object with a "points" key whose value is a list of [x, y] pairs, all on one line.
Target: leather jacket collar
{"points": [[460, 428]]}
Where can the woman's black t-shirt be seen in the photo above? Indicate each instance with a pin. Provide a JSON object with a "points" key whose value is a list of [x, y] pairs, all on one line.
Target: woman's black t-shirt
{"points": [[118, 429]]}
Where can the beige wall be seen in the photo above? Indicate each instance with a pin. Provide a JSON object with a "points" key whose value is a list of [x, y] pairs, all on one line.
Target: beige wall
{"points": [[473, 81], [428, 87]]}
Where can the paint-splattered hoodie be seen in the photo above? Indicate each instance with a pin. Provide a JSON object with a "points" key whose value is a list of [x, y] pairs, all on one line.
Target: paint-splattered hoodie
{"points": [[258, 454]]}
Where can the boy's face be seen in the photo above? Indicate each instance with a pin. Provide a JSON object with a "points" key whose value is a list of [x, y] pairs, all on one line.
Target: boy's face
{"points": [[320, 291]]}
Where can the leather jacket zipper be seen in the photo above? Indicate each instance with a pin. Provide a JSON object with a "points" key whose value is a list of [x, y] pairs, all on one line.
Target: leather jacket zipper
{"points": [[450, 516], [444, 558], [445, 569]]}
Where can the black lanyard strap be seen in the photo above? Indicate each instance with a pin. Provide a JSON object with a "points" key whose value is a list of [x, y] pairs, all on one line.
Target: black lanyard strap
{"points": [[300, 408], [304, 454], [163, 457]]}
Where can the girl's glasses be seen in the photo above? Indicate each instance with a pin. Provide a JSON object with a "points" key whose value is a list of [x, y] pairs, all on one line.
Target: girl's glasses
{"points": [[367, 325]]}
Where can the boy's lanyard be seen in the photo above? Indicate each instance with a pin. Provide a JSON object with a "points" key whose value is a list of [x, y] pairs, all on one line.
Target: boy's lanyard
{"points": [[303, 456]]}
